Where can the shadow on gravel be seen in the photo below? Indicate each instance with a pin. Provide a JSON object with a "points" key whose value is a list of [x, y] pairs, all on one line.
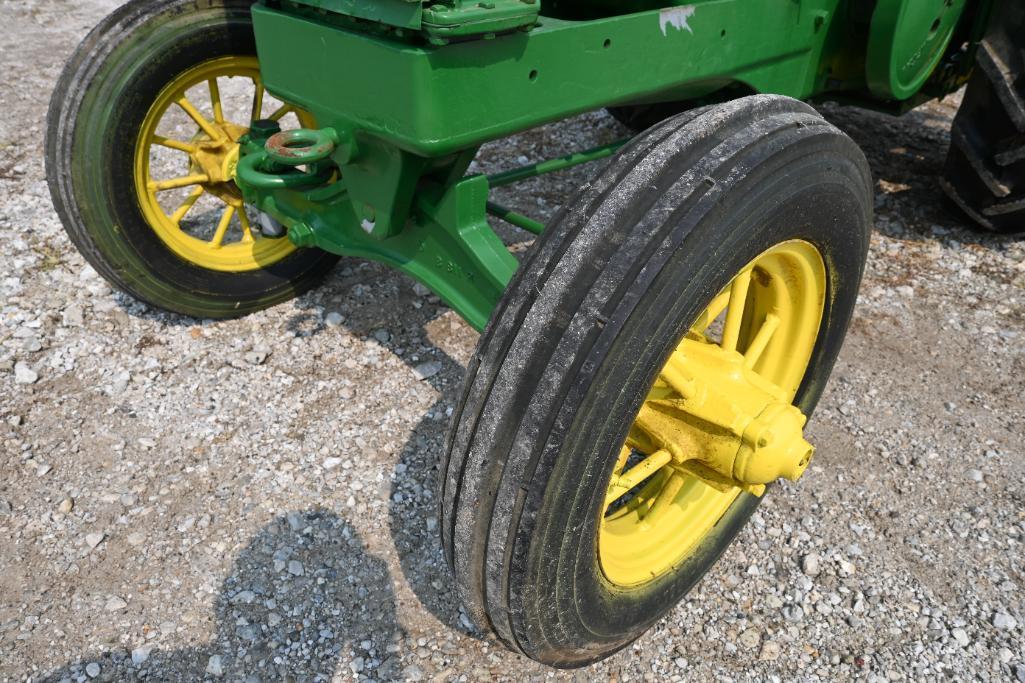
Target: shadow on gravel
{"points": [[304, 590], [412, 503], [413, 507], [414, 520]]}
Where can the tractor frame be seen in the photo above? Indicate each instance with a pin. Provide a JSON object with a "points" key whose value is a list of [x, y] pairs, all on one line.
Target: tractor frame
{"points": [[407, 92]]}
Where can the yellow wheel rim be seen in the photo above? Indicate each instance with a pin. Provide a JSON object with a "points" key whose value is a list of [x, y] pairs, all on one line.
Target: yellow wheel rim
{"points": [[204, 167], [759, 333]]}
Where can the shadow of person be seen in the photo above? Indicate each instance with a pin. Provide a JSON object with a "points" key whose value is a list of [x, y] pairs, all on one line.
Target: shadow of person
{"points": [[302, 595]]}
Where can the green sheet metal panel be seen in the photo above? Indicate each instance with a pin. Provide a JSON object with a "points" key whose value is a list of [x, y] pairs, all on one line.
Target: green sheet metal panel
{"points": [[434, 101]]}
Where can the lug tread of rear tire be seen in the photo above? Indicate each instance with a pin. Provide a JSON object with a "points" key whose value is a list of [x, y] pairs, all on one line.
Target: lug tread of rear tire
{"points": [[1002, 79], [1005, 208], [1011, 155], [977, 160], [985, 168]]}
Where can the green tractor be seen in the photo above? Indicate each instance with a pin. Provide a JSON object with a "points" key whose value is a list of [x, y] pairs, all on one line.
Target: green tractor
{"points": [[648, 369]]}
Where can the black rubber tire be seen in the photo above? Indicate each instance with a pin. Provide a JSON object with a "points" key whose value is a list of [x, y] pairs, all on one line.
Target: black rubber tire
{"points": [[100, 102], [985, 169], [575, 344]]}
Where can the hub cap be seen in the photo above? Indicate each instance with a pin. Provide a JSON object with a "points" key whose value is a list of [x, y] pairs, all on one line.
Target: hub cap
{"points": [[719, 418]]}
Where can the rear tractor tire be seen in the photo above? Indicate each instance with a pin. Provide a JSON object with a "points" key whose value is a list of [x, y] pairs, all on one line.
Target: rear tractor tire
{"points": [[985, 170], [710, 271]]}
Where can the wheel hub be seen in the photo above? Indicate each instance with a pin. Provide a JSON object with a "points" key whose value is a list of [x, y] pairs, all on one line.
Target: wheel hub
{"points": [[723, 417], [217, 159], [719, 418]]}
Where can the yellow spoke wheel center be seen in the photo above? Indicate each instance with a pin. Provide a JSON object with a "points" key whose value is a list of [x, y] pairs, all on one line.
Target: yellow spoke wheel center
{"points": [[211, 156], [718, 420]]}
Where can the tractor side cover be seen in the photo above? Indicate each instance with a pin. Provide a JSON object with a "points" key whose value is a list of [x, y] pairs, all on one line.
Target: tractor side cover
{"points": [[442, 99], [907, 40]]}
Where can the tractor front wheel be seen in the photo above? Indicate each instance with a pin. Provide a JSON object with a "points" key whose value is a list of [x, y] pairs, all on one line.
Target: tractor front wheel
{"points": [[142, 143], [649, 370]]}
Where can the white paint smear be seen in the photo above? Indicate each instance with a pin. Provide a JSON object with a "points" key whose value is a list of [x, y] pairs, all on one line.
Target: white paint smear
{"points": [[677, 18]]}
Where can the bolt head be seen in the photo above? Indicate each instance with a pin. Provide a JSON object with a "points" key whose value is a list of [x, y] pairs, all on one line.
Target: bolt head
{"points": [[301, 235]]}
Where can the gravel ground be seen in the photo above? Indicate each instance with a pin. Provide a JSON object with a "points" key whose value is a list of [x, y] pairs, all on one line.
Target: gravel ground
{"points": [[183, 499]]}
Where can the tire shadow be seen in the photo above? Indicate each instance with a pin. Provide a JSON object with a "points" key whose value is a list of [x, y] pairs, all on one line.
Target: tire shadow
{"points": [[412, 505], [414, 519], [304, 588], [413, 512]]}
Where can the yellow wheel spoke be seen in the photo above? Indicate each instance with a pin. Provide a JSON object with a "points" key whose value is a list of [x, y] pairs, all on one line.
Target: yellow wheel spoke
{"points": [[281, 111], [180, 212], [215, 100], [622, 483], [676, 380], [735, 313], [665, 497], [624, 455], [209, 139], [200, 120], [761, 340], [639, 440], [713, 311], [173, 144], [174, 183], [222, 227], [257, 100], [247, 231]]}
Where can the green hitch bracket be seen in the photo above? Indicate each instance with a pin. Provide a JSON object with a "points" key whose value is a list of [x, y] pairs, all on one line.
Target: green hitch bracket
{"points": [[442, 239], [269, 157], [258, 171]]}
